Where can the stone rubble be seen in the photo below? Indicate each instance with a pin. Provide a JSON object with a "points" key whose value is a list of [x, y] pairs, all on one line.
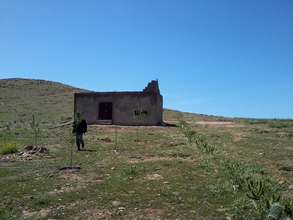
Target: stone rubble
{"points": [[30, 152]]}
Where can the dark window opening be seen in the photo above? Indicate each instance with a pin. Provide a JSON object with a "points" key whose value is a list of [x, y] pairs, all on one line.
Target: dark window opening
{"points": [[140, 113], [105, 111]]}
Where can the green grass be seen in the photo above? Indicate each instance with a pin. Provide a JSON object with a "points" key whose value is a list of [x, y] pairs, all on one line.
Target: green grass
{"points": [[8, 148], [192, 184]]}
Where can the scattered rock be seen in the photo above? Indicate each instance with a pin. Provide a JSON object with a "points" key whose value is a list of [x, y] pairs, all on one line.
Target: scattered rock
{"points": [[281, 180], [28, 214], [29, 152], [44, 213], [176, 193], [70, 168], [116, 203], [154, 177], [121, 208], [106, 139], [148, 213], [96, 214], [181, 155], [287, 168], [222, 209]]}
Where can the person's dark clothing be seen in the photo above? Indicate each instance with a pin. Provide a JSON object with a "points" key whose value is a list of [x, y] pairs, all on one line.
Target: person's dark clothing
{"points": [[79, 128], [79, 141]]}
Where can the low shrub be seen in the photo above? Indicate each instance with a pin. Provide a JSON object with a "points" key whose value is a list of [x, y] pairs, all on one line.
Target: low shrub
{"points": [[7, 214], [130, 172], [187, 131], [288, 207], [8, 148], [199, 139], [280, 124], [203, 145], [42, 200], [259, 195]]}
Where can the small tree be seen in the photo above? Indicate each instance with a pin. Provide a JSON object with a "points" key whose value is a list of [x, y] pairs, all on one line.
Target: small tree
{"points": [[6, 133], [69, 139], [35, 126]]}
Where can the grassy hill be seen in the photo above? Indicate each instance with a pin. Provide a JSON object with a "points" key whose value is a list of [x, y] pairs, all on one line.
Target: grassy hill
{"points": [[201, 170], [20, 98], [51, 101]]}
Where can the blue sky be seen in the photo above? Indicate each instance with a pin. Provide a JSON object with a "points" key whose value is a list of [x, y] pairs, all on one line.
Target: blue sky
{"points": [[221, 57]]}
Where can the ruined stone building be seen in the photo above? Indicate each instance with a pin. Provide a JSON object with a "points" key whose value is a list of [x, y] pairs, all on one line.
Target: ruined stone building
{"points": [[122, 108]]}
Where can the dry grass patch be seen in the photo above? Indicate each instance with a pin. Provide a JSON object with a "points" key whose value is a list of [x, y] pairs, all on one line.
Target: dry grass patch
{"points": [[135, 160]]}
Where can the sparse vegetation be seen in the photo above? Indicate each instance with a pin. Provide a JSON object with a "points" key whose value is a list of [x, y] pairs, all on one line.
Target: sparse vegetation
{"points": [[252, 186], [35, 126], [193, 137], [68, 139], [200, 172], [8, 148]]}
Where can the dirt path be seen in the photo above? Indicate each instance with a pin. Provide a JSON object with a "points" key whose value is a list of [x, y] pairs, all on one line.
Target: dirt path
{"points": [[227, 124]]}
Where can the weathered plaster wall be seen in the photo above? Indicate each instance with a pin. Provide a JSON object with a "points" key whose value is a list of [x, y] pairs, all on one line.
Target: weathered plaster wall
{"points": [[124, 105]]}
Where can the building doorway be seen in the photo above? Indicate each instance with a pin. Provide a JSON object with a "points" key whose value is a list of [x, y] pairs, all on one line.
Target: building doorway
{"points": [[105, 111]]}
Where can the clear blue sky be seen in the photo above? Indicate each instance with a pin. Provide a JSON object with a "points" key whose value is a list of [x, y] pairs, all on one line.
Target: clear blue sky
{"points": [[221, 57]]}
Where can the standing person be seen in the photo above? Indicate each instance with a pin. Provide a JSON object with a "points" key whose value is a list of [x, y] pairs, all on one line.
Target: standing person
{"points": [[79, 128]]}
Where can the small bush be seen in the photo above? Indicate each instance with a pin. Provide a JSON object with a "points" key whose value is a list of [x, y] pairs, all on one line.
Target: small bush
{"points": [[288, 207], [42, 200], [235, 172], [130, 172], [199, 139], [280, 124], [187, 131], [35, 126], [203, 145], [7, 214], [243, 209], [260, 201], [259, 196], [8, 148], [238, 174]]}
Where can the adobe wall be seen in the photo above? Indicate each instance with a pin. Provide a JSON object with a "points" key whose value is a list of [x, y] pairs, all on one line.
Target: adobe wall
{"points": [[124, 105]]}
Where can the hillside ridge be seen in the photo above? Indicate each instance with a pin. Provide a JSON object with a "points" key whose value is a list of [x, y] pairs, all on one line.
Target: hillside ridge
{"points": [[53, 101], [45, 82]]}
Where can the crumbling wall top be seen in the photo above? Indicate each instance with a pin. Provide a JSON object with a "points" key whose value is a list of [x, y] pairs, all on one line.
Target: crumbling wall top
{"points": [[153, 87]]}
